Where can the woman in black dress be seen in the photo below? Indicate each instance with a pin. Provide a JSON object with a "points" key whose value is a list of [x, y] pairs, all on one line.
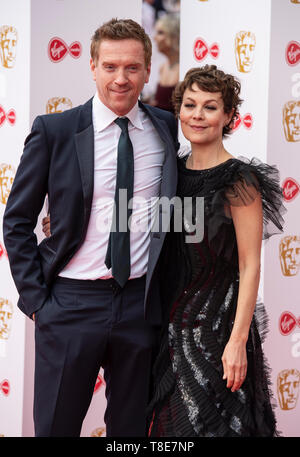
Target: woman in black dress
{"points": [[211, 378]]}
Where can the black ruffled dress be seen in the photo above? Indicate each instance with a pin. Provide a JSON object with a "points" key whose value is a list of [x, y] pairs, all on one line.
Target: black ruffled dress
{"points": [[200, 287]]}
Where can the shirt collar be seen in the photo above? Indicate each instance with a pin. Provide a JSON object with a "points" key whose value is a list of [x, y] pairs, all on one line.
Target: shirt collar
{"points": [[103, 116]]}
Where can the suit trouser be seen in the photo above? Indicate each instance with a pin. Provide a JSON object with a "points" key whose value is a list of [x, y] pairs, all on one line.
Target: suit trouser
{"points": [[85, 325]]}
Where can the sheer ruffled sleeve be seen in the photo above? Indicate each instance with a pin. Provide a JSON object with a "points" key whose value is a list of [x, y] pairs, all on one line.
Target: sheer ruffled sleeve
{"points": [[241, 184]]}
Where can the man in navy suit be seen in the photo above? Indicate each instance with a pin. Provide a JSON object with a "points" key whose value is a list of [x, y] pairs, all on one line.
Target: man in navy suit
{"points": [[85, 316]]}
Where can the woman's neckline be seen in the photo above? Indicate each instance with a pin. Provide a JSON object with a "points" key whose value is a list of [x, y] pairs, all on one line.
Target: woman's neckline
{"points": [[206, 169]]}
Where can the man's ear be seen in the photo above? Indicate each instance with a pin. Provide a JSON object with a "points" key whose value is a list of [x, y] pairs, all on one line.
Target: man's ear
{"points": [[93, 68], [148, 71]]}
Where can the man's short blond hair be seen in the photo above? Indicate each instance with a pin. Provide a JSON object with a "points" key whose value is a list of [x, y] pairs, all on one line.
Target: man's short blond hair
{"points": [[121, 29]]}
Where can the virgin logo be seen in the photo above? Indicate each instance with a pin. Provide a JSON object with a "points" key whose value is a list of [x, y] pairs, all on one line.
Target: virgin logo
{"points": [[5, 387], [287, 323], [201, 49], [10, 116], [246, 120], [292, 53], [99, 383], [58, 49], [290, 189], [3, 252]]}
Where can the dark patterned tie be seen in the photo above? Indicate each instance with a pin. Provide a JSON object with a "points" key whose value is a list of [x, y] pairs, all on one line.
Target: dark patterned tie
{"points": [[118, 251]]}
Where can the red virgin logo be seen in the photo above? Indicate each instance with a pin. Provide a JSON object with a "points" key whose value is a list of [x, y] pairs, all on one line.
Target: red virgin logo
{"points": [[99, 383], [292, 53], [246, 121], [58, 49], [201, 49], [10, 116], [287, 323], [290, 189], [5, 387], [3, 252]]}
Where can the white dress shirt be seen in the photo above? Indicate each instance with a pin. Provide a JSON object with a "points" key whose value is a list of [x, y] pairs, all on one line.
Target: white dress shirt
{"points": [[148, 150]]}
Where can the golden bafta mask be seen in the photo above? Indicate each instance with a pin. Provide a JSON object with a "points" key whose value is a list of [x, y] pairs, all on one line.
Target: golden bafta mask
{"points": [[291, 120], [8, 45], [295, 1], [100, 431], [58, 104], [288, 388], [6, 314], [7, 174], [289, 252], [244, 50]]}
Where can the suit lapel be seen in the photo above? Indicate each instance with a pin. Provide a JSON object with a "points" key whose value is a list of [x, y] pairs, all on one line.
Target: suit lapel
{"points": [[84, 142], [167, 189]]}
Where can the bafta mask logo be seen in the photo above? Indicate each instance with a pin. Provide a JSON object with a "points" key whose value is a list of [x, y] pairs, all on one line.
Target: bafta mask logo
{"points": [[246, 121], [201, 50], [291, 120], [58, 49], [290, 189], [289, 252], [7, 174], [8, 45], [288, 322], [58, 105], [292, 53], [288, 388], [296, 1], [6, 314], [5, 387], [245, 43], [100, 431], [10, 116]]}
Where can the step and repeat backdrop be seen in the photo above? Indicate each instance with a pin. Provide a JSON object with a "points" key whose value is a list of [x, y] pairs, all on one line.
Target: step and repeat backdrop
{"points": [[282, 267], [44, 68]]}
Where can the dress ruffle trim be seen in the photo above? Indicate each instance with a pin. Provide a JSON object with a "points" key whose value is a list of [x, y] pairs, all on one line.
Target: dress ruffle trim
{"points": [[239, 185]]}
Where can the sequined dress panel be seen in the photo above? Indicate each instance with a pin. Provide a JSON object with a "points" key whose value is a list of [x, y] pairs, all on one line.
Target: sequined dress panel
{"points": [[201, 281]]}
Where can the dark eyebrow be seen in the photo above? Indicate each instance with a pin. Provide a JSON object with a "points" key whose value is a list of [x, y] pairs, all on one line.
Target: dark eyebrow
{"points": [[112, 62], [206, 101]]}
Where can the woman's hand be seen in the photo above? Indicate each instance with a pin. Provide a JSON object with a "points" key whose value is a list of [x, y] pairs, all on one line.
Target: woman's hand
{"points": [[234, 361], [46, 226]]}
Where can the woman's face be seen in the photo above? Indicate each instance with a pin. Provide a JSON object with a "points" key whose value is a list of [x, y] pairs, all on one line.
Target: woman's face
{"points": [[162, 38], [202, 116]]}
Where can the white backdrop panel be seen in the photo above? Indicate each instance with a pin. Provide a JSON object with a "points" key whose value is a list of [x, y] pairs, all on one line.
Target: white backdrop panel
{"points": [[14, 95]]}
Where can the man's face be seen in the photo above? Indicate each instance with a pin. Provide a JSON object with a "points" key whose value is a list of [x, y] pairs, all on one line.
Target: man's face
{"points": [[120, 74]]}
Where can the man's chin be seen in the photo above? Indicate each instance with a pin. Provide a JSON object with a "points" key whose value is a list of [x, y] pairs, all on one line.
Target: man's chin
{"points": [[122, 109]]}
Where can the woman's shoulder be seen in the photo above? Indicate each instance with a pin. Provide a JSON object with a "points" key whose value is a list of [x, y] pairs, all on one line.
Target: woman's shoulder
{"points": [[252, 172], [250, 177]]}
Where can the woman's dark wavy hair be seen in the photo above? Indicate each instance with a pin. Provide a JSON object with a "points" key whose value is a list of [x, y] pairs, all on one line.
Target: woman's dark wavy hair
{"points": [[210, 79]]}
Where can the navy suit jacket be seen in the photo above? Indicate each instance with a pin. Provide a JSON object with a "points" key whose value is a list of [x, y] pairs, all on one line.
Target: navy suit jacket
{"points": [[58, 160]]}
